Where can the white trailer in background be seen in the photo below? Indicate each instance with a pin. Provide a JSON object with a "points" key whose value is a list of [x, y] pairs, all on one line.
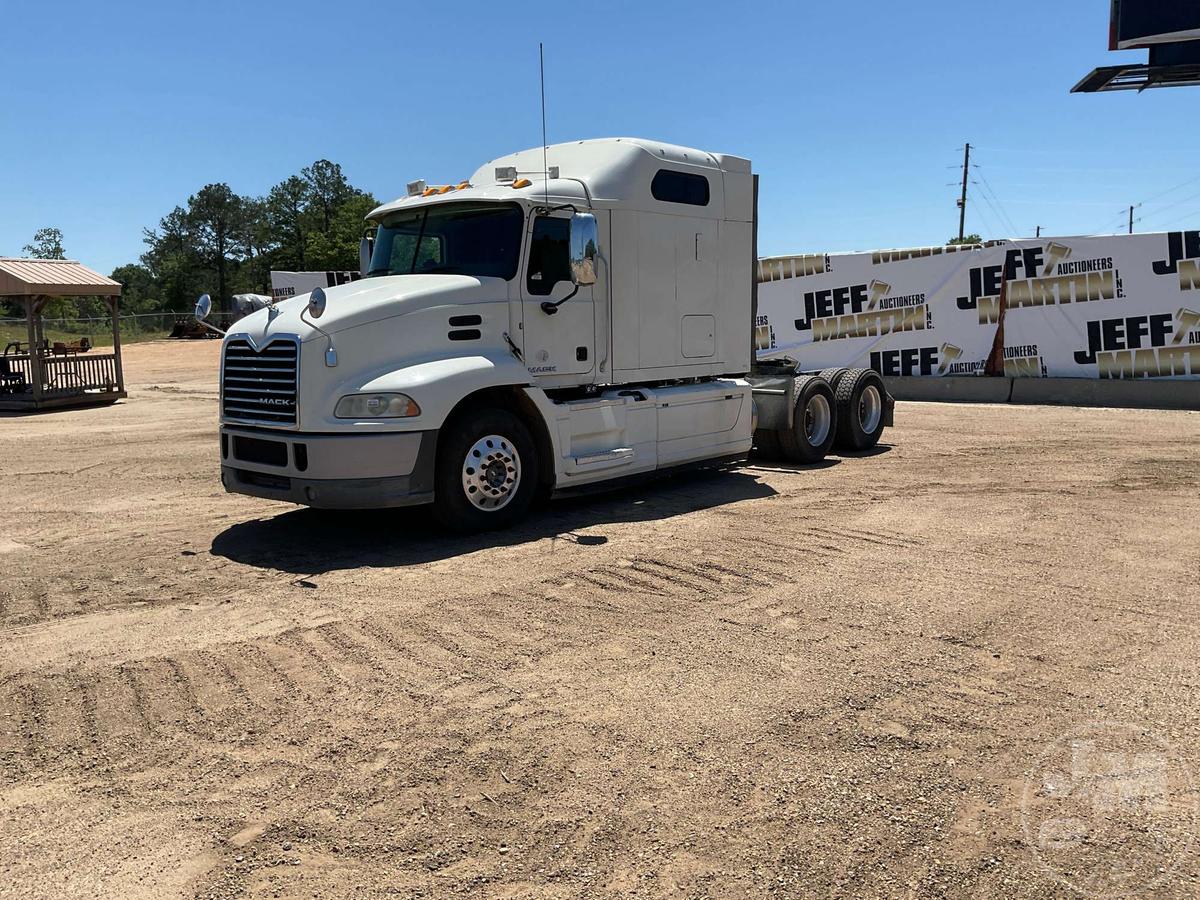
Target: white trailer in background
{"points": [[566, 318], [286, 285]]}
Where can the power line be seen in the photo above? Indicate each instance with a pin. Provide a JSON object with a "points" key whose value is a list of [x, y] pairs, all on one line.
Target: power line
{"points": [[1190, 181], [1177, 203], [1106, 229], [1158, 213], [1003, 212], [990, 196], [990, 232], [991, 206], [1189, 217]]}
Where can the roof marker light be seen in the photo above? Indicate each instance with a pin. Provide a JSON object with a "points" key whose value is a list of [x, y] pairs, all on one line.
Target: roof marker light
{"points": [[522, 183], [445, 188]]}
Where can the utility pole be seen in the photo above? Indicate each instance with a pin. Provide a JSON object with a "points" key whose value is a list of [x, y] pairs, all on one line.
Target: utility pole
{"points": [[1039, 231], [962, 204], [1131, 220]]}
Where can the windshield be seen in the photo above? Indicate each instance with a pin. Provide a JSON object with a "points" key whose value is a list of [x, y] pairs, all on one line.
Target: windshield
{"points": [[481, 239]]}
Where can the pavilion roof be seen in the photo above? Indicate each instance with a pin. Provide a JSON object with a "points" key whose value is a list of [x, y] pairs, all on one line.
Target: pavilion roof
{"points": [[53, 278]]}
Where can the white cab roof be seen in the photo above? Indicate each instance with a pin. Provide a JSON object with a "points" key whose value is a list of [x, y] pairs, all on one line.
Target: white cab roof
{"points": [[604, 170]]}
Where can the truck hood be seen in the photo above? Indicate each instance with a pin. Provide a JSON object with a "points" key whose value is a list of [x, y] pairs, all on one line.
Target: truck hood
{"points": [[369, 300]]}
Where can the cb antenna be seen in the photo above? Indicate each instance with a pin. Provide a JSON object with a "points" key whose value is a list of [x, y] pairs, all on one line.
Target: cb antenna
{"points": [[545, 152]]}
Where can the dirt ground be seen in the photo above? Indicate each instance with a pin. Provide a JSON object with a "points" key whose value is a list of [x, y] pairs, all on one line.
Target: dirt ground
{"points": [[966, 664]]}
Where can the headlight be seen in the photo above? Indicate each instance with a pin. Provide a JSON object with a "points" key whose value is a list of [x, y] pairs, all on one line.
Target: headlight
{"points": [[376, 406]]}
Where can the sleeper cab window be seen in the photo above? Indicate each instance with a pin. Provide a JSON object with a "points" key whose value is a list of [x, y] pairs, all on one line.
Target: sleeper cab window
{"points": [[549, 255], [680, 187]]}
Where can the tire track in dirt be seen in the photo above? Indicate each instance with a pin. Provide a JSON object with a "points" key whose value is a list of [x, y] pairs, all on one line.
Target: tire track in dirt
{"points": [[697, 582], [182, 687], [678, 580], [138, 701], [203, 693]]}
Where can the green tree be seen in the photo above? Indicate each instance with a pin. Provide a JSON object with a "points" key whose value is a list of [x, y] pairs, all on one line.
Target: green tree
{"points": [[257, 245], [172, 260], [969, 239], [139, 292], [337, 248], [47, 244], [216, 218], [287, 220], [223, 243], [328, 189]]}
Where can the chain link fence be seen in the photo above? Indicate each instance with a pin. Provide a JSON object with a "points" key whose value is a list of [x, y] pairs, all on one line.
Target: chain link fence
{"points": [[134, 327]]}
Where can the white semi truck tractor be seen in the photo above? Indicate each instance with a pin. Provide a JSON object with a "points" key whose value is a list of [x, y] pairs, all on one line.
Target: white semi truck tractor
{"points": [[567, 318]]}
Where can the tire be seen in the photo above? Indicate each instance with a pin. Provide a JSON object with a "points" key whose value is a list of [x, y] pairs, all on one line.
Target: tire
{"points": [[860, 406], [833, 376], [766, 444], [810, 437], [471, 498]]}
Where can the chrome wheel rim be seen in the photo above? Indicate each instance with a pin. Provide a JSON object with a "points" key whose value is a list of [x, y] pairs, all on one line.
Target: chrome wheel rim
{"points": [[817, 420], [870, 408], [491, 473]]}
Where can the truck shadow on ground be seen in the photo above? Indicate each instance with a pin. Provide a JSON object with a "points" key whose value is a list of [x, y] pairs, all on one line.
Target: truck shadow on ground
{"points": [[768, 464], [312, 542], [877, 450]]}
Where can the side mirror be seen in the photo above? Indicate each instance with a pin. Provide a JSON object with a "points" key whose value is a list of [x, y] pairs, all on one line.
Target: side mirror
{"points": [[583, 248], [203, 307], [316, 303], [366, 247]]}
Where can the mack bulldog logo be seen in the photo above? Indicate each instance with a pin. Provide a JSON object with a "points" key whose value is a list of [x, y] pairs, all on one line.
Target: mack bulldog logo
{"points": [[1033, 276], [1152, 346], [862, 310], [1183, 259]]}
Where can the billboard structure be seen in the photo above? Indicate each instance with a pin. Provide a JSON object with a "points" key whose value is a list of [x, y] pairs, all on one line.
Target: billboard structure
{"points": [[1124, 307], [1169, 29]]}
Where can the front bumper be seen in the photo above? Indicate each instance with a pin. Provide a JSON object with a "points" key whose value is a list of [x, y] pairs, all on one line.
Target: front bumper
{"points": [[329, 471]]}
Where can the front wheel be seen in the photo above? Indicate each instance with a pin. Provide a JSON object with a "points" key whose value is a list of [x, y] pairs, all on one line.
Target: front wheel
{"points": [[486, 471]]}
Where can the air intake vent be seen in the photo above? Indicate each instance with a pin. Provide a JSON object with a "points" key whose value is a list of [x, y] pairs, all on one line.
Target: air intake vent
{"points": [[259, 386]]}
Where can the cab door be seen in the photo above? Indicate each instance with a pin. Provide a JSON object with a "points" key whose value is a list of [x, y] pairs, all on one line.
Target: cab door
{"points": [[563, 342]]}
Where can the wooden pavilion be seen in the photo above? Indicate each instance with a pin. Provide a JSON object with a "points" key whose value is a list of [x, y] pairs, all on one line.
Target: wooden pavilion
{"points": [[39, 374]]}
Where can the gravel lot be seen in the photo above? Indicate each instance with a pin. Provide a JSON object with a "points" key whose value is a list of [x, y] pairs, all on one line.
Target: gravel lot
{"points": [[966, 664]]}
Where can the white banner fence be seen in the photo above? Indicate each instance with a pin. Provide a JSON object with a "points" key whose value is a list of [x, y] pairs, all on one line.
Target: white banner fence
{"points": [[1076, 307]]}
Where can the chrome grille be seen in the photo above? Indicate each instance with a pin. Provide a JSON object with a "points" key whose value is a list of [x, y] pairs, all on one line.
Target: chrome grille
{"points": [[260, 385]]}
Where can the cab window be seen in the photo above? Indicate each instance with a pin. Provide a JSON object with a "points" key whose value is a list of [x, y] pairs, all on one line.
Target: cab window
{"points": [[549, 255]]}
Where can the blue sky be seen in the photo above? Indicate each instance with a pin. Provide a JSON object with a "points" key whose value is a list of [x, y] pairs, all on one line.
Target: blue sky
{"points": [[853, 113]]}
